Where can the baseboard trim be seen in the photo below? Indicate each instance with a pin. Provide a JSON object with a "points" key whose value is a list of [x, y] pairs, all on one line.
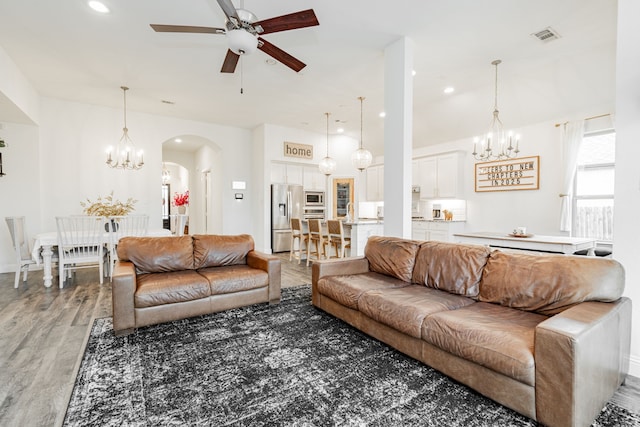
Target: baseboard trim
{"points": [[634, 366]]}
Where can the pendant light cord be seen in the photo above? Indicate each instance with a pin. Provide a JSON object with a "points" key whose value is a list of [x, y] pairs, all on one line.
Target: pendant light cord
{"points": [[124, 90], [495, 102], [361, 98], [327, 114]]}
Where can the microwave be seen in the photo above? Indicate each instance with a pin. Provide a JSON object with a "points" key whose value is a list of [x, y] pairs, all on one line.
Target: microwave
{"points": [[314, 198]]}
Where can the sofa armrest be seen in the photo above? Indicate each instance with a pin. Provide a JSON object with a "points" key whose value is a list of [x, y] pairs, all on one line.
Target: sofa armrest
{"points": [[340, 266], [270, 264], [582, 357], [122, 297]]}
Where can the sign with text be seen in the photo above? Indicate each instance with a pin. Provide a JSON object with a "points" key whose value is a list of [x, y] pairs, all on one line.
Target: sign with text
{"points": [[299, 151], [521, 173]]}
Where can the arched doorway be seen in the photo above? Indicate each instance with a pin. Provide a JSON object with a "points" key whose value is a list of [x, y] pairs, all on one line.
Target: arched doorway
{"points": [[197, 163]]}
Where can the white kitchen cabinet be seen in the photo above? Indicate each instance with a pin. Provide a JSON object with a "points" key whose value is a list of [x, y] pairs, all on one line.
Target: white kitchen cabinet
{"points": [[375, 183], [286, 173], [441, 231], [440, 176], [313, 179]]}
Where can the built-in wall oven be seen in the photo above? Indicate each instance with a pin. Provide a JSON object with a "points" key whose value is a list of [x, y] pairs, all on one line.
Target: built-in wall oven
{"points": [[314, 207], [314, 198], [314, 212]]}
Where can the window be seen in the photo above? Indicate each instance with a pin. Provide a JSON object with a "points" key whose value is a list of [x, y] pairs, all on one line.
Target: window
{"points": [[593, 201]]}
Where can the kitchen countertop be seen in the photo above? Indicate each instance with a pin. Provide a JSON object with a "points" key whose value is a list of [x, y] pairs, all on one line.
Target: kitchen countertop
{"points": [[435, 220], [363, 221]]}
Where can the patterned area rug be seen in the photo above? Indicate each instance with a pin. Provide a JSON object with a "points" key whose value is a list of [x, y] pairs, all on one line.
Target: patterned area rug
{"points": [[288, 364]]}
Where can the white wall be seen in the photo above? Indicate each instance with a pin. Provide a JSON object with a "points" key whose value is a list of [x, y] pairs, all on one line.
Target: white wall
{"points": [[627, 187], [19, 188]]}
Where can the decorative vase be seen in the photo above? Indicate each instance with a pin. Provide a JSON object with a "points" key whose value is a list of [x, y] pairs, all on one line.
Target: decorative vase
{"points": [[182, 209], [114, 226]]}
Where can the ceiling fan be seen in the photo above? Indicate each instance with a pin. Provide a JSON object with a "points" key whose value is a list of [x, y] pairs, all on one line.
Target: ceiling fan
{"points": [[243, 32]]}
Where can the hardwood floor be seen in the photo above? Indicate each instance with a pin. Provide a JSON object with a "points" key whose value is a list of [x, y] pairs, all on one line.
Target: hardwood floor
{"points": [[43, 333]]}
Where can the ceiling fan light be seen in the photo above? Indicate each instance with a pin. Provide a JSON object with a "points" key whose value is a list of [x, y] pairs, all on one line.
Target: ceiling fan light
{"points": [[242, 42]]}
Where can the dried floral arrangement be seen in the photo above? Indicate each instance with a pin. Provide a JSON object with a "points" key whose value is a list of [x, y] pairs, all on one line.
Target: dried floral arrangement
{"points": [[107, 206]]}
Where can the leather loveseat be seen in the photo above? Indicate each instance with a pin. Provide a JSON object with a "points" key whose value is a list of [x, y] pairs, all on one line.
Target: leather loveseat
{"points": [[545, 335], [160, 279]]}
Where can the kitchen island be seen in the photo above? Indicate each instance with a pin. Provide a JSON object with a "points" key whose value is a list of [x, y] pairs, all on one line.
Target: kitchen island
{"points": [[360, 231], [559, 244]]}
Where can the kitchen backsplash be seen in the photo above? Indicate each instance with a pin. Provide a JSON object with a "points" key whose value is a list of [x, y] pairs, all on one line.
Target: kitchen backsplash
{"points": [[456, 206]]}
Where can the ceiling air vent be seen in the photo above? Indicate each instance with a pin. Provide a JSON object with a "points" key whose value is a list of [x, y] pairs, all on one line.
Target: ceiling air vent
{"points": [[546, 35]]}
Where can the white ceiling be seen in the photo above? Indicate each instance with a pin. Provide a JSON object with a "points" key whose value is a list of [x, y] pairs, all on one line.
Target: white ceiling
{"points": [[68, 51]]}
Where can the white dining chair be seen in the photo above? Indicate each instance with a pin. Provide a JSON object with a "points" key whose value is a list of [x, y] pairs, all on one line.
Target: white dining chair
{"points": [[80, 244], [123, 226], [21, 247]]}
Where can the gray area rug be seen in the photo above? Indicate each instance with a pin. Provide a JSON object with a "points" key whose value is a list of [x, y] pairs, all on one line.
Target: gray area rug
{"points": [[288, 364]]}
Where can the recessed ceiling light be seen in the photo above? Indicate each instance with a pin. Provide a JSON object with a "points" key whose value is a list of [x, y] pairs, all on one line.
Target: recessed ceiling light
{"points": [[382, 114], [98, 6], [178, 140], [270, 61], [449, 89], [413, 73], [340, 130]]}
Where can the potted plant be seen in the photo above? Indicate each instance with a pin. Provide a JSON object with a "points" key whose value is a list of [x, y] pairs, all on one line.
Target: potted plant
{"points": [[181, 200]]}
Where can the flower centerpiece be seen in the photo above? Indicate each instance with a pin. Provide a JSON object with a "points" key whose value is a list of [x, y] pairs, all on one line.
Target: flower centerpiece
{"points": [[181, 200]]}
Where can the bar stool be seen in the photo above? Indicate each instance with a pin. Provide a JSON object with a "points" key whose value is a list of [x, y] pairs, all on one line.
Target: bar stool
{"points": [[336, 238], [297, 234], [315, 237]]}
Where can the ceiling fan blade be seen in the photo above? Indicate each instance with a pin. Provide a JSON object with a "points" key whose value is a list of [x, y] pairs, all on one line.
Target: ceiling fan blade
{"points": [[186, 29], [230, 62], [302, 19], [280, 55], [229, 9]]}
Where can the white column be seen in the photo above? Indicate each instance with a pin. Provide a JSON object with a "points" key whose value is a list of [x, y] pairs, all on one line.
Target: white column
{"points": [[398, 137], [627, 185]]}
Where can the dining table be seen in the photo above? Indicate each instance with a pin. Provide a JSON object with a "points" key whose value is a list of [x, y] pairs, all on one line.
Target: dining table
{"points": [[45, 246]]}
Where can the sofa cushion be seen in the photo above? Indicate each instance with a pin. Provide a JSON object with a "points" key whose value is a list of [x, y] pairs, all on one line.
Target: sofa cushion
{"points": [[392, 256], [234, 278], [549, 284], [347, 289], [166, 288], [214, 251], [404, 309], [496, 337], [451, 267], [157, 254]]}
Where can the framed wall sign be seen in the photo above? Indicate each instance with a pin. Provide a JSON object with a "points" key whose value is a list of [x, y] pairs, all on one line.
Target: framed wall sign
{"points": [[300, 151], [522, 173]]}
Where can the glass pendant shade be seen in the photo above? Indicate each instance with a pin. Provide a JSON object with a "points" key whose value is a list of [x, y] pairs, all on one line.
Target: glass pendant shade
{"points": [[361, 158], [327, 165]]}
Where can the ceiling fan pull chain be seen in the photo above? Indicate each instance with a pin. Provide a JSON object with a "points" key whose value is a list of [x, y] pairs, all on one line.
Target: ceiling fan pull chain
{"points": [[241, 75]]}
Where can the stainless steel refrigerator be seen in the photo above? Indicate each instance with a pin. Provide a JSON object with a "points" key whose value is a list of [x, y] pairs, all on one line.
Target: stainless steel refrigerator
{"points": [[287, 201]]}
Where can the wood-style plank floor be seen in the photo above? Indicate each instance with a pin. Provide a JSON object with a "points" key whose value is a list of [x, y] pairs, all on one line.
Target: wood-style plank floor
{"points": [[43, 333]]}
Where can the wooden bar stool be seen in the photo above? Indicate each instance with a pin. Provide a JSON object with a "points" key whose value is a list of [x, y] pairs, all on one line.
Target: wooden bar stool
{"points": [[336, 237], [300, 237], [315, 237]]}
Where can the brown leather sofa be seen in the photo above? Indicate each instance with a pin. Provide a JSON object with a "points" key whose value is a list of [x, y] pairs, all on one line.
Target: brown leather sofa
{"points": [[545, 335], [159, 279]]}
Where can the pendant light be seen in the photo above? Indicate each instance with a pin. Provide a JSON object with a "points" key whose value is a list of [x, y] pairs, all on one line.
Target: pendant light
{"points": [[327, 165], [361, 158], [496, 144], [125, 156]]}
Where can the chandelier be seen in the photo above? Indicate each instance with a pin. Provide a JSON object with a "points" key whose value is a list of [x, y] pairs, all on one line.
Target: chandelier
{"points": [[125, 156], [496, 144], [327, 165], [361, 158]]}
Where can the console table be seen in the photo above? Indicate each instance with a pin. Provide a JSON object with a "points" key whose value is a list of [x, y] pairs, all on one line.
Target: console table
{"points": [[561, 244]]}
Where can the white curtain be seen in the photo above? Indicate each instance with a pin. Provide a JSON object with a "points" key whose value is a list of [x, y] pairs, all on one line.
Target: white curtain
{"points": [[571, 138]]}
